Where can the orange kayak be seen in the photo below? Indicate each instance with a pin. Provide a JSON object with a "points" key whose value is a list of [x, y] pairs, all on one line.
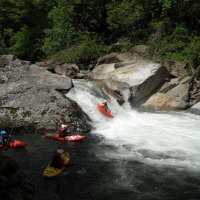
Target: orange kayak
{"points": [[15, 144], [104, 111], [66, 138]]}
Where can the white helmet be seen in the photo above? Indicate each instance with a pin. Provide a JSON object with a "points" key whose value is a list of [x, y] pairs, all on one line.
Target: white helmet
{"points": [[104, 101], [63, 126], [60, 151]]}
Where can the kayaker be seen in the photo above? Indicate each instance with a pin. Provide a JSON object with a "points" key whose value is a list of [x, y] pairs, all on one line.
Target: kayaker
{"points": [[1, 136], [5, 139], [64, 131], [105, 105], [57, 160]]}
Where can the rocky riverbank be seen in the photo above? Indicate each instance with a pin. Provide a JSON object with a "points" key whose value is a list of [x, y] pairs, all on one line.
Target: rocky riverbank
{"points": [[152, 86]]}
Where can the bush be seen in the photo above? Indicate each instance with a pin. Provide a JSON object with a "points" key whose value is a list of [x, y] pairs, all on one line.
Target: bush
{"points": [[20, 43], [180, 45], [125, 44], [86, 50]]}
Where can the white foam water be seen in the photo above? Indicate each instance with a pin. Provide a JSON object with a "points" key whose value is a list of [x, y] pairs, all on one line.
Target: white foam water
{"points": [[167, 138]]}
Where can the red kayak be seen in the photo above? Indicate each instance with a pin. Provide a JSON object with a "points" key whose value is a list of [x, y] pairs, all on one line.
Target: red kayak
{"points": [[66, 138], [104, 111], [15, 144]]}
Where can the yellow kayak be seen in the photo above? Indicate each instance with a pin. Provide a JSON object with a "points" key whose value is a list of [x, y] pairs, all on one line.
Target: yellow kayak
{"points": [[51, 171]]}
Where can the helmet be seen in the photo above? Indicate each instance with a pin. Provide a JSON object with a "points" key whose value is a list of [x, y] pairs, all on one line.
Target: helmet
{"points": [[63, 126], [60, 151], [104, 101], [2, 132]]}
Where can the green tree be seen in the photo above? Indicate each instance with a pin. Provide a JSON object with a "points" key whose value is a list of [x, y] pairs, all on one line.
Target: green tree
{"points": [[26, 19], [124, 16]]}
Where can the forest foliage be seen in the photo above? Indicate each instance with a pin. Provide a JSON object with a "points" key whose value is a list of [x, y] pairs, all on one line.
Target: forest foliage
{"points": [[82, 30]]}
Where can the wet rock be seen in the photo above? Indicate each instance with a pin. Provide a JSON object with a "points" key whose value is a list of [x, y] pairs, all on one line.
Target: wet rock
{"points": [[147, 82], [31, 96], [112, 88], [195, 109]]}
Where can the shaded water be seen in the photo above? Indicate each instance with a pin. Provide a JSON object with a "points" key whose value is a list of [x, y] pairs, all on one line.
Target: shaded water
{"points": [[133, 156]]}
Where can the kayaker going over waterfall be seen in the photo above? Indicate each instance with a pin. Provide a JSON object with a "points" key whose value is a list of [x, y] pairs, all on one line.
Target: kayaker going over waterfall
{"points": [[103, 108], [105, 105]]}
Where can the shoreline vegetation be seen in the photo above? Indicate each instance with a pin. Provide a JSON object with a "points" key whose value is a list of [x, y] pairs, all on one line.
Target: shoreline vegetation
{"points": [[80, 31]]}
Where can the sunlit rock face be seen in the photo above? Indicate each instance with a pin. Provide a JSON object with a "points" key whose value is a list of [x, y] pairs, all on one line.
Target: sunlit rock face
{"points": [[129, 71], [173, 95]]}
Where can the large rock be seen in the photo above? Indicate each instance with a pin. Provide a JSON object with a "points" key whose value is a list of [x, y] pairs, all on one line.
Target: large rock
{"points": [[31, 96], [110, 58], [129, 71], [172, 96], [141, 50], [176, 68], [69, 70], [194, 93], [113, 88], [14, 185], [195, 109], [115, 48]]}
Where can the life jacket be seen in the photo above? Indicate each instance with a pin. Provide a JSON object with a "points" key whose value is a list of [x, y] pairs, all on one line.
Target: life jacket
{"points": [[61, 130], [57, 161]]}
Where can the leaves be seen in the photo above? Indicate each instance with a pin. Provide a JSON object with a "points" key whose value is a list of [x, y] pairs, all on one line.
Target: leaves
{"points": [[79, 30]]}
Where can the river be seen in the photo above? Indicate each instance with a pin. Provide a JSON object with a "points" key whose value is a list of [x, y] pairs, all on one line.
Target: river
{"points": [[140, 156]]}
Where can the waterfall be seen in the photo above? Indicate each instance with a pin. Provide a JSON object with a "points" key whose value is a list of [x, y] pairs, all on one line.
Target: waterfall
{"points": [[160, 138]]}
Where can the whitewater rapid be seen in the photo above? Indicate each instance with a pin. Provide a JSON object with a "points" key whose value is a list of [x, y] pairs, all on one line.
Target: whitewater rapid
{"points": [[160, 139]]}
